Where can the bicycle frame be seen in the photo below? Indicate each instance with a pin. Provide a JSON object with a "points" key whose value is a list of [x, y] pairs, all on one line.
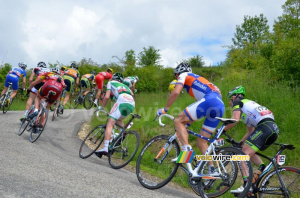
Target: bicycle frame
{"points": [[211, 148], [7, 94]]}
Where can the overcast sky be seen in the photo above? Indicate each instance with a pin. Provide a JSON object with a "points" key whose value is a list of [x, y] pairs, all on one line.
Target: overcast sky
{"points": [[68, 30]]}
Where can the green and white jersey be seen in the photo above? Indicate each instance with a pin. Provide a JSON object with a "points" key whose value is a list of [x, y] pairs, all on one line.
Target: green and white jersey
{"points": [[251, 112], [129, 81], [118, 88]]}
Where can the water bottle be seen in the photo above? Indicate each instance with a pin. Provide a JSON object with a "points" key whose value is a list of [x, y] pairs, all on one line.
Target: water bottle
{"points": [[131, 123]]}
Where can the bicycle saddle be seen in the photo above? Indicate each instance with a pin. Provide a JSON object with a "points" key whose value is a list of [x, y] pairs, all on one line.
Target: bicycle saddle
{"points": [[286, 146], [226, 121]]}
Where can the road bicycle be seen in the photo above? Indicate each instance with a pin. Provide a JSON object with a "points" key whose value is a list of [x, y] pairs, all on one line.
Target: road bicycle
{"points": [[35, 125], [156, 165], [90, 97], [123, 147], [275, 180], [5, 104], [58, 108], [78, 98]]}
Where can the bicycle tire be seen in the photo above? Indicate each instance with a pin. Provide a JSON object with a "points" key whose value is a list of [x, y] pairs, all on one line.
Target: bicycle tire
{"points": [[23, 126], [220, 185], [271, 180], [75, 100], [92, 141], [237, 182], [35, 135], [88, 100], [151, 173], [6, 108], [123, 149]]}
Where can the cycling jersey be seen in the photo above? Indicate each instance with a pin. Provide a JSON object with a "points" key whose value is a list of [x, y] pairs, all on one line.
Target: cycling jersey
{"points": [[129, 81], [100, 77], [74, 73], [90, 77], [38, 71], [13, 77], [106, 75], [251, 112], [196, 86], [125, 103]]}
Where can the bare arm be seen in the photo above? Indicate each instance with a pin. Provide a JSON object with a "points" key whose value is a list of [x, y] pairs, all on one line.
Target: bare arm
{"points": [[31, 77], [24, 82], [173, 96], [235, 115], [38, 80]]}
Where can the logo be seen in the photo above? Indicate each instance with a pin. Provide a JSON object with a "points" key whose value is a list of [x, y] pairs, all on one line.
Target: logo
{"points": [[185, 157], [280, 159], [198, 84]]}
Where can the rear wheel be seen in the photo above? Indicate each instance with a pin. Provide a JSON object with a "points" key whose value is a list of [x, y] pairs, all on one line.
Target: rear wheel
{"points": [[290, 177], [75, 100], [92, 141], [123, 149], [154, 167], [6, 106], [88, 100], [39, 127]]}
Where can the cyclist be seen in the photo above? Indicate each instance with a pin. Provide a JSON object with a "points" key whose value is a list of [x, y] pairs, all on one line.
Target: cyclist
{"points": [[13, 77], [71, 78], [172, 86], [130, 81], [209, 104], [53, 84], [38, 71], [262, 130], [123, 107], [100, 77], [62, 70], [87, 80]]}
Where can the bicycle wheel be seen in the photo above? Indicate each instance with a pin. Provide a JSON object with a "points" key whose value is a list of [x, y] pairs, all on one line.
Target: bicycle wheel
{"points": [[42, 121], [231, 179], [123, 149], [76, 98], [92, 141], [6, 107], [23, 126], [154, 167], [88, 100], [270, 181], [217, 187]]}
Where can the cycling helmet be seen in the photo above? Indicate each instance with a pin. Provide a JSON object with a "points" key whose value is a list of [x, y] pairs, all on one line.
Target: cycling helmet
{"points": [[55, 70], [93, 72], [237, 90], [182, 67], [63, 68], [110, 70], [22, 65], [42, 64], [118, 77], [137, 78], [74, 65]]}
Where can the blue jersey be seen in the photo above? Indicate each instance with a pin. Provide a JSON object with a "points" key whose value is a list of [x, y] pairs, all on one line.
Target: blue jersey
{"points": [[18, 71]]}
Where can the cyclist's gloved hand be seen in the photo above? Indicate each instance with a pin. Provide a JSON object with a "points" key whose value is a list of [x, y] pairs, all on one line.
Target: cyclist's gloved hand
{"points": [[161, 111]]}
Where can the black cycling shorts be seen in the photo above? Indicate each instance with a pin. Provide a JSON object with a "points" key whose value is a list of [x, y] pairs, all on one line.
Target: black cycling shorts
{"points": [[265, 134]]}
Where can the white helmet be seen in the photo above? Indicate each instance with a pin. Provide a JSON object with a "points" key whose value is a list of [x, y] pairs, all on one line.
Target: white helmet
{"points": [[22, 65], [55, 70], [182, 67]]}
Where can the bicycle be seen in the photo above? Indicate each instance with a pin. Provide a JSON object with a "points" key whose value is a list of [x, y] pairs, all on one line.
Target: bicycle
{"points": [[156, 167], [58, 108], [90, 97], [78, 98], [35, 125], [122, 148], [277, 181], [4, 104]]}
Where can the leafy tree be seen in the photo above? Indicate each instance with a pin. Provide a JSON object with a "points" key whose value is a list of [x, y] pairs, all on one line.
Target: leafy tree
{"points": [[252, 30], [130, 58], [289, 22], [195, 61], [149, 56]]}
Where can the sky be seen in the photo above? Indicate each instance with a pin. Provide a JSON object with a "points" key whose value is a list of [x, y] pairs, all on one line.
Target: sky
{"points": [[69, 30]]}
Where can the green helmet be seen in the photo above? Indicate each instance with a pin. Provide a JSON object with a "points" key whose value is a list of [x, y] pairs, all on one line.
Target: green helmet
{"points": [[237, 90], [118, 77]]}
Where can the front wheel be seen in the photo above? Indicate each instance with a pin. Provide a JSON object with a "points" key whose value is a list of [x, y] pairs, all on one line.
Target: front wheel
{"points": [[271, 185], [154, 167], [123, 149], [92, 141], [39, 126]]}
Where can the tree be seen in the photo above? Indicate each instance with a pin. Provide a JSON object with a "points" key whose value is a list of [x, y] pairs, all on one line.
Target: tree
{"points": [[130, 58], [195, 61], [252, 30], [149, 56], [289, 22]]}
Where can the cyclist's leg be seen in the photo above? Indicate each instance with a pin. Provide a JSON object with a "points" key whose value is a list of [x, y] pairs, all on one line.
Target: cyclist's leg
{"points": [[69, 81], [85, 84], [99, 81]]}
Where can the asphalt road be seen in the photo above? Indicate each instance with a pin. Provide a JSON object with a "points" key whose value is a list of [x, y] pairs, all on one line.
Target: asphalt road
{"points": [[51, 167]]}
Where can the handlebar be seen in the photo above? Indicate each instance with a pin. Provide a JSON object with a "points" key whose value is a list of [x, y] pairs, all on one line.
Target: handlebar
{"points": [[97, 112], [163, 115]]}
